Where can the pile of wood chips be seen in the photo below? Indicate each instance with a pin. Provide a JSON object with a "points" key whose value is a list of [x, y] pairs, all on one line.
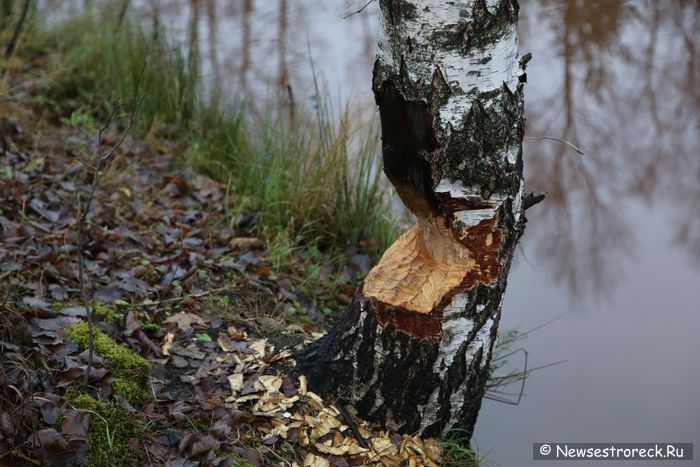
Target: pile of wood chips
{"points": [[296, 414]]}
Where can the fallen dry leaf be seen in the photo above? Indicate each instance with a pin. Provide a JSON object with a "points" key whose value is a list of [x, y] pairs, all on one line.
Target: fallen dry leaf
{"points": [[167, 343], [246, 243], [185, 320], [236, 382], [312, 460]]}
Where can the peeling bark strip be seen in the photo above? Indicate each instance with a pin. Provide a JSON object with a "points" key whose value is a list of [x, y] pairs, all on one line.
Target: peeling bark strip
{"points": [[414, 349]]}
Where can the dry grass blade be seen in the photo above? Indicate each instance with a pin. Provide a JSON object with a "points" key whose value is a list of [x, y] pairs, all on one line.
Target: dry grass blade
{"points": [[554, 138]]}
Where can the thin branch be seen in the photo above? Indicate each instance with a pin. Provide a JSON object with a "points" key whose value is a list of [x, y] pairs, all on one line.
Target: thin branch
{"points": [[531, 199], [499, 381], [554, 138], [4, 147], [358, 11], [86, 163], [184, 297], [502, 381], [353, 426], [81, 267], [15, 452], [546, 323]]}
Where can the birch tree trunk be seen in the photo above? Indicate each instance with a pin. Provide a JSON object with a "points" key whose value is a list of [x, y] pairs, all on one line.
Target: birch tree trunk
{"points": [[414, 348]]}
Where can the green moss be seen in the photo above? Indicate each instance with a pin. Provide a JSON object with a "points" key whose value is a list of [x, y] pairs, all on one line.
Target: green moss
{"points": [[220, 301], [111, 427], [130, 369], [240, 463], [104, 312], [130, 389], [117, 356]]}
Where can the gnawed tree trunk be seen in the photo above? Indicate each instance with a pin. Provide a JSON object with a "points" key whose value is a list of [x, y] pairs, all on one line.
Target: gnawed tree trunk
{"points": [[413, 350]]}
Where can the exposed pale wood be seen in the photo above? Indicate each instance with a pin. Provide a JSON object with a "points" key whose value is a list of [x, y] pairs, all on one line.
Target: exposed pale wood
{"points": [[436, 255], [427, 265], [420, 268]]}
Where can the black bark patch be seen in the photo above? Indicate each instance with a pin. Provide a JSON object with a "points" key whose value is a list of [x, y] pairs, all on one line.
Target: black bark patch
{"points": [[486, 27], [398, 10], [483, 29], [407, 137]]}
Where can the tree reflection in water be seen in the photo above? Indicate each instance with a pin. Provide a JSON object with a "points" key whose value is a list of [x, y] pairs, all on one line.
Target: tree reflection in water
{"points": [[620, 80]]}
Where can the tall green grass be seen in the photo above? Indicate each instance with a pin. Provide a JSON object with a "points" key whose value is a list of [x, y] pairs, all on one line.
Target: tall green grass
{"points": [[98, 61], [306, 179], [311, 179]]}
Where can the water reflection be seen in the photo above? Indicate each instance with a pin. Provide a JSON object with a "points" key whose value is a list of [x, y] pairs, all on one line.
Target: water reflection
{"points": [[261, 50], [605, 80]]}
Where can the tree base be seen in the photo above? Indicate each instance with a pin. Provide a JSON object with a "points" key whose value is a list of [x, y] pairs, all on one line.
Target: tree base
{"points": [[401, 379]]}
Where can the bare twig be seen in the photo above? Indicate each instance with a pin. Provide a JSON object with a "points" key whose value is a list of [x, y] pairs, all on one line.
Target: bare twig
{"points": [[4, 147], [495, 394], [554, 138], [512, 378], [100, 162], [496, 384], [546, 323], [358, 11], [81, 266], [16, 453], [531, 199], [184, 297], [85, 162], [353, 426]]}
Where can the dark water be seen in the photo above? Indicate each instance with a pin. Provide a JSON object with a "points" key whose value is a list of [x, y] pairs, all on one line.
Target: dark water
{"points": [[616, 245], [613, 252]]}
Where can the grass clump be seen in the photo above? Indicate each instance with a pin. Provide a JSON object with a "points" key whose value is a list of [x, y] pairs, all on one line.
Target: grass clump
{"points": [[130, 369], [110, 429], [315, 183], [456, 450]]}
